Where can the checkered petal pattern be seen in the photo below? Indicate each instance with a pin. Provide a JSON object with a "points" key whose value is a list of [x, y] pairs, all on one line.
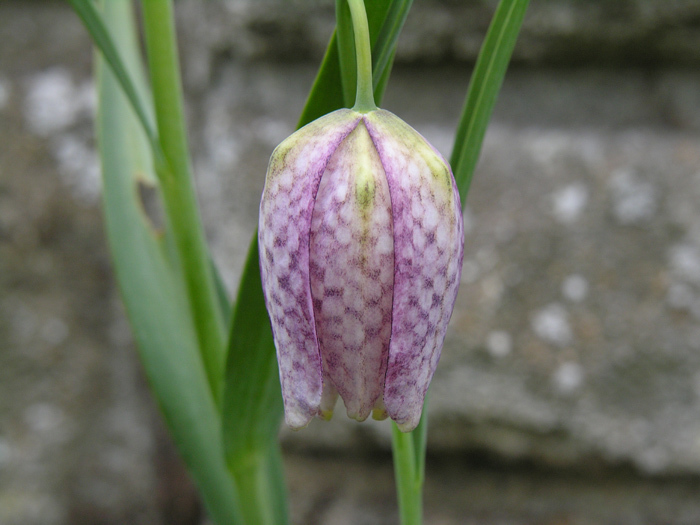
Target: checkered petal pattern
{"points": [[361, 245], [286, 208], [352, 272], [428, 252]]}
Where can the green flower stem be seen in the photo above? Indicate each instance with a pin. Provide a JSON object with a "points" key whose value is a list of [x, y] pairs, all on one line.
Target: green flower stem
{"points": [[409, 477], [364, 102], [178, 189]]}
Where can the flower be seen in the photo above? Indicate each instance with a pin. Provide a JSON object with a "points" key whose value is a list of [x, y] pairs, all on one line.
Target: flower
{"points": [[361, 244]]}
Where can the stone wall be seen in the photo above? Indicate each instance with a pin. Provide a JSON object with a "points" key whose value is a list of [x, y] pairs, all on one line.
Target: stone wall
{"points": [[569, 388], [566, 32]]}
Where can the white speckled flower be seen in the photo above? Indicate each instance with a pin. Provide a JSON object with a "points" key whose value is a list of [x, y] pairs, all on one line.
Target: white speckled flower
{"points": [[361, 245]]}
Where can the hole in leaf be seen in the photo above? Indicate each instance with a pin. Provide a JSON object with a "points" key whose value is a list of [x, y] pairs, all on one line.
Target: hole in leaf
{"points": [[151, 205]]}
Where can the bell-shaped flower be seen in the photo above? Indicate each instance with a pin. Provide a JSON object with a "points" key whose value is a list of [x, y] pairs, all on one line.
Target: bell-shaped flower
{"points": [[361, 244]]}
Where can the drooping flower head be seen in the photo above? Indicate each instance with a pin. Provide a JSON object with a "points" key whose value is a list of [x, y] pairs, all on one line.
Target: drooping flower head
{"points": [[361, 245]]}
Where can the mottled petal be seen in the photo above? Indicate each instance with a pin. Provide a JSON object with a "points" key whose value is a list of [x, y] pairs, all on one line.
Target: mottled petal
{"points": [[352, 268], [428, 251], [286, 209]]}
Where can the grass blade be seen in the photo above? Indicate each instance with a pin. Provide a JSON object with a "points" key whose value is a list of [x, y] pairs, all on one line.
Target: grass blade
{"points": [[326, 93], [92, 21], [346, 52], [383, 52], [483, 90], [147, 270], [178, 191], [252, 404]]}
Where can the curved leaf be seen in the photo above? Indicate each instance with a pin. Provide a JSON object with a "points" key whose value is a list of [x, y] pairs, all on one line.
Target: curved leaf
{"points": [[483, 90], [148, 273]]}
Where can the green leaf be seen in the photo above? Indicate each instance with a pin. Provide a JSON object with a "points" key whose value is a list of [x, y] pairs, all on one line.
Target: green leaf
{"points": [[260, 480], [382, 81], [102, 39], [252, 403], [92, 21], [385, 46], [326, 93], [177, 189], [221, 293], [148, 273], [346, 52], [483, 90]]}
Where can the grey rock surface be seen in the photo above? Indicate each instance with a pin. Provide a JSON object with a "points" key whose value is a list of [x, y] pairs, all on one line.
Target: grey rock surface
{"points": [[624, 32], [336, 491], [569, 389]]}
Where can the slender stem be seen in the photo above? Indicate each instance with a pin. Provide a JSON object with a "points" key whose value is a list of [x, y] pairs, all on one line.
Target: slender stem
{"points": [[178, 188], [409, 482], [364, 101]]}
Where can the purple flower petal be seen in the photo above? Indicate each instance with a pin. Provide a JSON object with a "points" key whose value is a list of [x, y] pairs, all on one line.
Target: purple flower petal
{"points": [[428, 251], [361, 245], [352, 272], [286, 210]]}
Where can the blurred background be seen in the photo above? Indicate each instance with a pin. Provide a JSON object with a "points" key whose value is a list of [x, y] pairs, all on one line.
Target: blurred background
{"points": [[569, 387]]}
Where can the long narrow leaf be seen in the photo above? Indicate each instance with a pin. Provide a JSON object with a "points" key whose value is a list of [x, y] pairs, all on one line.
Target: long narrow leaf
{"points": [[136, 94], [257, 405], [383, 51], [92, 21], [252, 403], [382, 81], [326, 93], [346, 52], [147, 271], [178, 192], [485, 84]]}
